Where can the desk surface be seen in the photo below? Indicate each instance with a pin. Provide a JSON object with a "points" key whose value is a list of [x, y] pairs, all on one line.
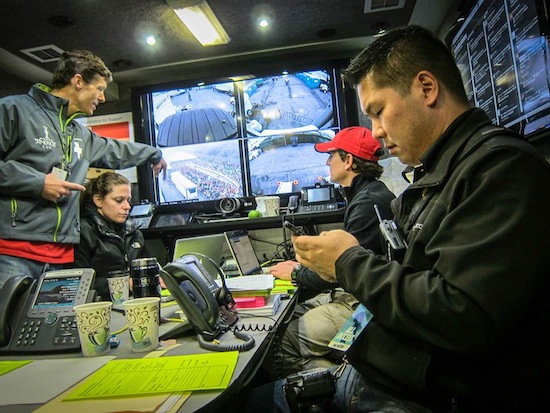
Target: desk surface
{"points": [[248, 363]]}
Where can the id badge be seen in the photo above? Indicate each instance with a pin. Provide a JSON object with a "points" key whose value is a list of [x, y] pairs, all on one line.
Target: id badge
{"points": [[351, 329], [59, 173]]}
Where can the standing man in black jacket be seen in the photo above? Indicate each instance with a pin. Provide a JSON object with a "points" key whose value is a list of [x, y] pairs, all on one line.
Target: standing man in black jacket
{"points": [[461, 324], [353, 162]]}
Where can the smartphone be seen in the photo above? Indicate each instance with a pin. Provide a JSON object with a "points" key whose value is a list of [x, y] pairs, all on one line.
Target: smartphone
{"points": [[293, 228]]}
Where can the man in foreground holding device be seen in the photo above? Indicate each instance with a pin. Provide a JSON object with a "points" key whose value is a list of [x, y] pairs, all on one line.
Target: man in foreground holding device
{"points": [[44, 156], [461, 324], [353, 162]]}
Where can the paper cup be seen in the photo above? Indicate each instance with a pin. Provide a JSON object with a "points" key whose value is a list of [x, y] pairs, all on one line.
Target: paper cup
{"points": [[268, 205], [119, 290], [93, 323], [143, 322]]}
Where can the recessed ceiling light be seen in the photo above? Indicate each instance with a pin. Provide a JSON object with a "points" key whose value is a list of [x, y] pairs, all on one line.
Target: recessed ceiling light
{"points": [[263, 23], [151, 40]]}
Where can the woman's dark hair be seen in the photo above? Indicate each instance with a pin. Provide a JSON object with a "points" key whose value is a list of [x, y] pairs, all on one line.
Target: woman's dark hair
{"points": [[369, 169], [394, 59], [82, 62], [102, 186]]}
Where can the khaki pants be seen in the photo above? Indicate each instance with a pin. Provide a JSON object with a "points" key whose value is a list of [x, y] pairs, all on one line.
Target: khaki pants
{"points": [[315, 322]]}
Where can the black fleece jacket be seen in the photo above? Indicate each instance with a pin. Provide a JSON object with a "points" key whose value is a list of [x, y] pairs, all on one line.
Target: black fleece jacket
{"points": [[360, 220], [107, 247]]}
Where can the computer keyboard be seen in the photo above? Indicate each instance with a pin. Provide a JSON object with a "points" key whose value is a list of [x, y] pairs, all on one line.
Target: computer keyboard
{"points": [[250, 282]]}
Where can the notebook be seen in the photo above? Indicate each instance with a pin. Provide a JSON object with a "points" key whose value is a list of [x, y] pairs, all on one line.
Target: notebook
{"points": [[209, 245], [243, 252]]}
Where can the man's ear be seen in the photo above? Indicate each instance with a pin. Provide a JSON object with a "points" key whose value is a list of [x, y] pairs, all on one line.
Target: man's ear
{"points": [[77, 81], [429, 86], [349, 161]]}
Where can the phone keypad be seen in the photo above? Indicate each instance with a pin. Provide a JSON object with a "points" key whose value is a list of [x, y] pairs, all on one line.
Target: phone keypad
{"points": [[38, 333], [318, 208]]}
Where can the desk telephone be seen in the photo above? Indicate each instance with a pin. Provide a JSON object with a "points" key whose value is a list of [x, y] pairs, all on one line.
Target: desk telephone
{"points": [[142, 214], [38, 315], [209, 308], [318, 198]]}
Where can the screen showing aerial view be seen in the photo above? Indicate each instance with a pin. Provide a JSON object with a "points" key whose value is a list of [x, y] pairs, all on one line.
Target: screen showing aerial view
{"points": [[202, 172], [194, 115], [286, 115], [200, 131]]}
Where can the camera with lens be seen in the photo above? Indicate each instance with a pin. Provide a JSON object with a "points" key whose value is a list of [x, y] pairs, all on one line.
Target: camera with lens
{"points": [[310, 390]]}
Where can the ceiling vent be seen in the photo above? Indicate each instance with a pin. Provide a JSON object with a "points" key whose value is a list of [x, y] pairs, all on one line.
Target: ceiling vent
{"points": [[44, 54], [372, 6]]}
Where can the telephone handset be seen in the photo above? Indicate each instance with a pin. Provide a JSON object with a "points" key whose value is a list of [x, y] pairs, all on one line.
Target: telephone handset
{"points": [[209, 308], [11, 291], [38, 315]]}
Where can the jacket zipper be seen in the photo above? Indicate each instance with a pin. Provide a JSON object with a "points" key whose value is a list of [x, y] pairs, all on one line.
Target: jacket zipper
{"points": [[13, 208], [66, 161], [58, 225]]}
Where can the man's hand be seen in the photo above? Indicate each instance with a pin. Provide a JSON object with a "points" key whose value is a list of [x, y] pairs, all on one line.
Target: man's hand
{"points": [[161, 166], [55, 188], [319, 253], [283, 269]]}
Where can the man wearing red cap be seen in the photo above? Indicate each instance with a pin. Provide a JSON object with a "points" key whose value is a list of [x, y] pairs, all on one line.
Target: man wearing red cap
{"points": [[353, 162]]}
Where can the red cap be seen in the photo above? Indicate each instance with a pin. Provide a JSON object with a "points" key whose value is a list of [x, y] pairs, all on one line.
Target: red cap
{"points": [[355, 140]]}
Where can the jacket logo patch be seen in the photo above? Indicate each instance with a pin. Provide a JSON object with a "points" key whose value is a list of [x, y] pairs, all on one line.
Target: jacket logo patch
{"points": [[78, 150], [46, 142]]}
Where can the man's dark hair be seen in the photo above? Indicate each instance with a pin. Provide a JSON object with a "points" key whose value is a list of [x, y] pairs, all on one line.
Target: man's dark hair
{"points": [[395, 58], [82, 62], [369, 169]]}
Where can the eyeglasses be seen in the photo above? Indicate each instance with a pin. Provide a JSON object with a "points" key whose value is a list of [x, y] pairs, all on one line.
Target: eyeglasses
{"points": [[330, 156]]}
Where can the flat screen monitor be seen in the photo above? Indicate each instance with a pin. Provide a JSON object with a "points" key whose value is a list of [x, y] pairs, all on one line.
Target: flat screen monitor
{"points": [[502, 49], [253, 135], [286, 115], [184, 116], [277, 104], [286, 163], [202, 172]]}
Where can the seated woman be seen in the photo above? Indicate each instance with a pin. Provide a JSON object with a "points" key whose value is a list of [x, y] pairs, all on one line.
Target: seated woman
{"points": [[109, 241]]}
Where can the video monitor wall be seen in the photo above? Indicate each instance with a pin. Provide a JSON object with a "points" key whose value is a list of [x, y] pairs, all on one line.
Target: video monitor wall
{"points": [[503, 52], [246, 137]]}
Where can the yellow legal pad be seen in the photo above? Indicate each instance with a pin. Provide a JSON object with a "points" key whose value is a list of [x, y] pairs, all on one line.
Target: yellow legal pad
{"points": [[172, 374], [7, 366]]}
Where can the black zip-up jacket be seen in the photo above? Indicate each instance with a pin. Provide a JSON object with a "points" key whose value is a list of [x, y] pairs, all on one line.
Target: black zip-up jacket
{"points": [[107, 247], [360, 220], [466, 315]]}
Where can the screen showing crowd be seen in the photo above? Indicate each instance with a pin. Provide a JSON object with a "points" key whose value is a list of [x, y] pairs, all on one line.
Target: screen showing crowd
{"points": [[243, 138]]}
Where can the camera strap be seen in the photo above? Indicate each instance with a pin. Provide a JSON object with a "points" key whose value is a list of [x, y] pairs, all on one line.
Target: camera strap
{"points": [[340, 369]]}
